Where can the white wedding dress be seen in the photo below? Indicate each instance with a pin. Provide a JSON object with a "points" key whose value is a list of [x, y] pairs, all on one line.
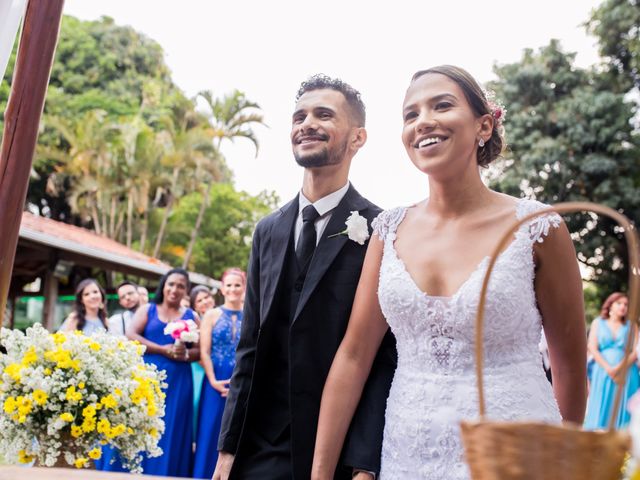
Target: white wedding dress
{"points": [[435, 384]]}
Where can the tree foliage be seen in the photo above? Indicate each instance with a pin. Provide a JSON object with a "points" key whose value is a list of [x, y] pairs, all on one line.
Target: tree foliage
{"points": [[616, 24], [121, 147], [226, 231], [571, 139]]}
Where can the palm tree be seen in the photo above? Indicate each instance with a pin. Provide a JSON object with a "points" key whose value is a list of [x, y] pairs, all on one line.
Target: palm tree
{"points": [[141, 153], [88, 157], [188, 140], [231, 117]]}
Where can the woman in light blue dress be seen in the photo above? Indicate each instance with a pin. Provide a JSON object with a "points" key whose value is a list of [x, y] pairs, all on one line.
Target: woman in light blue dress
{"points": [[201, 301], [89, 314], [607, 339], [148, 328], [220, 334]]}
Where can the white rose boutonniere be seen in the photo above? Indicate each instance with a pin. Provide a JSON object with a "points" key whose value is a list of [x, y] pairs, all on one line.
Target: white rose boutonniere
{"points": [[357, 228]]}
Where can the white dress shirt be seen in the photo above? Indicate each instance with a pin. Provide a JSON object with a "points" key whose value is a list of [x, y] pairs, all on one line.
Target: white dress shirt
{"points": [[118, 323], [324, 206]]}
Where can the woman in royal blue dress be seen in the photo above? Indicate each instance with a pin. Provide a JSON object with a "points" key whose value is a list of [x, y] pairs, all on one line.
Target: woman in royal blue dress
{"points": [[175, 359], [220, 333], [606, 344]]}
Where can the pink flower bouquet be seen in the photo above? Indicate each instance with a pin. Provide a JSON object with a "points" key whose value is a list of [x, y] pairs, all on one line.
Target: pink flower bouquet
{"points": [[183, 331]]}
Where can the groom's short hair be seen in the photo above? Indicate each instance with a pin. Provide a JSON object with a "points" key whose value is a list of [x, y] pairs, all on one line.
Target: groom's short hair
{"points": [[321, 82]]}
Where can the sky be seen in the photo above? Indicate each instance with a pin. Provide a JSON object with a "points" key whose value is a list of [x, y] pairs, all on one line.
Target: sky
{"points": [[266, 49]]}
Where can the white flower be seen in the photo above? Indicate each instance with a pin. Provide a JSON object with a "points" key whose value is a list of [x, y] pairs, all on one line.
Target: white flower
{"points": [[189, 337], [183, 331], [357, 228]]}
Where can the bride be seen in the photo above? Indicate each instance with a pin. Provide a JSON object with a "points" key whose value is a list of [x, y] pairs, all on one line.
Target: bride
{"points": [[422, 277]]}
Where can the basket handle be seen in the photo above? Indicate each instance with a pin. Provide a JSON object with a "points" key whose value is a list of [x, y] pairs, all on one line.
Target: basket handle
{"points": [[631, 237]]}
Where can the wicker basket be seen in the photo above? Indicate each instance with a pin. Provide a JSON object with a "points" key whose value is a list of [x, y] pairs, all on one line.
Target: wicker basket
{"points": [[497, 450]]}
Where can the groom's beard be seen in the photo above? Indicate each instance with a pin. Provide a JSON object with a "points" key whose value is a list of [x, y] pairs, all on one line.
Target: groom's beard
{"points": [[323, 158]]}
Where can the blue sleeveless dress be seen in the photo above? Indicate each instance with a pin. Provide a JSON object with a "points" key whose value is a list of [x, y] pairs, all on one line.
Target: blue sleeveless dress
{"points": [[176, 461], [602, 390], [224, 340]]}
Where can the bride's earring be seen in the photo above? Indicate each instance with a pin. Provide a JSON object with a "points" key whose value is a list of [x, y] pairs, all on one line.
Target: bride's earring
{"points": [[481, 142]]}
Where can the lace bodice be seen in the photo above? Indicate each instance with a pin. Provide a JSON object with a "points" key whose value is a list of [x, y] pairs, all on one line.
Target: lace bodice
{"points": [[434, 385], [224, 338]]}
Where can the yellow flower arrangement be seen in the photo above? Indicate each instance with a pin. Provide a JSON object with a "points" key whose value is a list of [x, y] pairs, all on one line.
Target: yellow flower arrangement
{"points": [[81, 392]]}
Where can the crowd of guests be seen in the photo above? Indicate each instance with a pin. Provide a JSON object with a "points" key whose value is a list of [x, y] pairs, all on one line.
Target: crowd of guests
{"points": [[197, 374]]}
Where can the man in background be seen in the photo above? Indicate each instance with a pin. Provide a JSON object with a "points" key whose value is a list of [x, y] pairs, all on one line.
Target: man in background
{"points": [[129, 300]]}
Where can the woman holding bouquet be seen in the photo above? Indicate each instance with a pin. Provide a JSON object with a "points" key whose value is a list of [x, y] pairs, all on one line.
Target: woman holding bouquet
{"points": [[220, 335], [148, 327]]}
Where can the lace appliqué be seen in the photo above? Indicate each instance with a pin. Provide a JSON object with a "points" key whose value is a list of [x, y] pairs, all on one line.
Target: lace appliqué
{"points": [[434, 384], [386, 222], [539, 226]]}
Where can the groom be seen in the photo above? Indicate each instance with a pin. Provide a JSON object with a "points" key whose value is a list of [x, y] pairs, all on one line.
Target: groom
{"points": [[301, 283]]}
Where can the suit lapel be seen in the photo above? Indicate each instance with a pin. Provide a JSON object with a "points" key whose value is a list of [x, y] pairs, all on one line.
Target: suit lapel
{"points": [[279, 243], [328, 248]]}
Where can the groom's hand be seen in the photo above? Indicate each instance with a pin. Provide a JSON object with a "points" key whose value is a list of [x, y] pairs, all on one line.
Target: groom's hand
{"points": [[223, 467]]}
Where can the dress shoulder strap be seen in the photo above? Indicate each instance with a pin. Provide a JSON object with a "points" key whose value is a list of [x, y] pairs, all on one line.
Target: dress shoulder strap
{"points": [[537, 228], [188, 314], [386, 223]]}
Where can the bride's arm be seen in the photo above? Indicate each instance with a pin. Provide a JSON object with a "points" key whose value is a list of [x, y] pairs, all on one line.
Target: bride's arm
{"points": [[350, 366], [560, 300]]}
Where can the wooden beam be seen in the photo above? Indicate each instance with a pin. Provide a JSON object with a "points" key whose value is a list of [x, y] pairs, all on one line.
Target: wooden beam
{"points": [[12, 319], [50, 300], [21, 121]]}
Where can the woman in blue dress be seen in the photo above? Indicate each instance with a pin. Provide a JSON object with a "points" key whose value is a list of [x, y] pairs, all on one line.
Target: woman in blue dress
{"points": [[219, 337], [175, 359], [606, 344]]}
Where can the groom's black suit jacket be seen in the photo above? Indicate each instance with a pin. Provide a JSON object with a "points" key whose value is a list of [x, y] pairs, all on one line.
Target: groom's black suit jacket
{"points": [[318, 323]]}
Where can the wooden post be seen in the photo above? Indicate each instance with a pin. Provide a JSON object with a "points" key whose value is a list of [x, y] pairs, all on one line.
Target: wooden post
{"points": [[22, 119], [12, 318], [50, 300]]}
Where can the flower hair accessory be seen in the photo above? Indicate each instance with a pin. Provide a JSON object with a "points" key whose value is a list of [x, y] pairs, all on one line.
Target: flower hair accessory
{"points": [[498, 112]]}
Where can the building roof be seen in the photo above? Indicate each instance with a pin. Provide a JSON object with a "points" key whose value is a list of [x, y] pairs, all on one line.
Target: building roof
{"points": [[85, 243]]}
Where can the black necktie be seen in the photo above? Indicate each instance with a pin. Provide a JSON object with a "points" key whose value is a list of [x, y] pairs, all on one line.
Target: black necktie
{"points": [[307, 241]]}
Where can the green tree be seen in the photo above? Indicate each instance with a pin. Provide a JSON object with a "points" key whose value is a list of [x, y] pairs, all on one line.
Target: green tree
{"points": [[98, 66], [88, 159], [225, 238], [102, 65], [616, 24], [189, 146], [231, 117], [571, 138], [120, 145]]}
